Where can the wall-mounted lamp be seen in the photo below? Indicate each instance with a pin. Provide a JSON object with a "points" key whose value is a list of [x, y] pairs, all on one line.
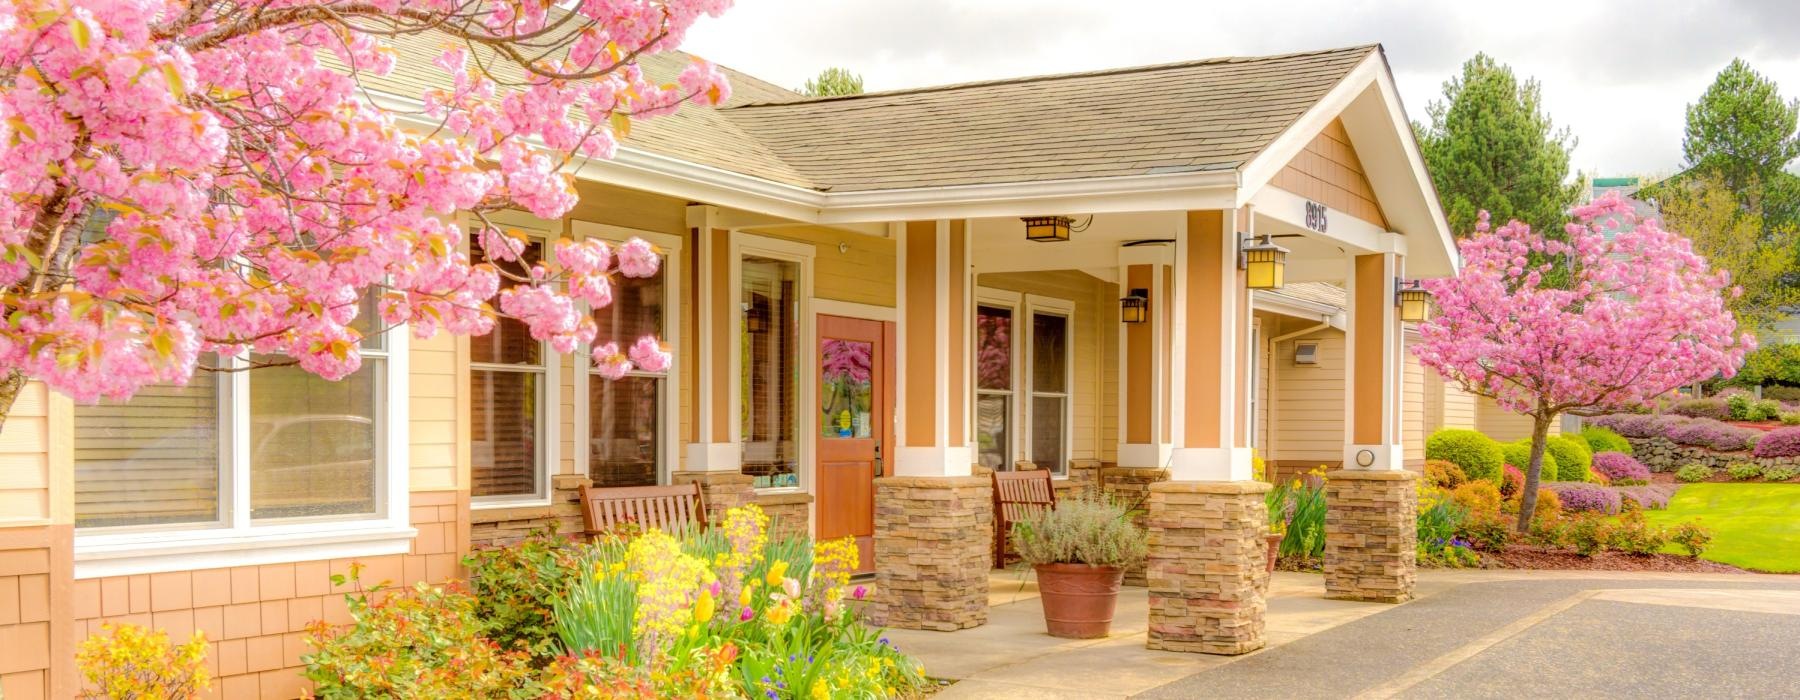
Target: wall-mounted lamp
{"points": [[1264, 263], [1135, 307], [1413, 300]]}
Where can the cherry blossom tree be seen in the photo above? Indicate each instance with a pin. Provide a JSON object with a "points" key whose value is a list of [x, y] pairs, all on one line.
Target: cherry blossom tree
{"points": [[1637, 316], [182, 177]]}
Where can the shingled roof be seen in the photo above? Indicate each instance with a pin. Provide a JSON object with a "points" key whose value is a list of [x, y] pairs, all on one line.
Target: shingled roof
{"points": [[1208, 115]]}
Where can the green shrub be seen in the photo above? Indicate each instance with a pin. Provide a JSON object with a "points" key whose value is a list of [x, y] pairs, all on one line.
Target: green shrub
{"points": [[1297, 510], [1738, 405], [1744, 471], [1488, 532], [1789, 417], [1588, 533], [1518, 454], [1781, 393], [516, 588], [1693, 472], [1573, 458], [1600, 439], [1691, 536], [1478, 455], [1548, 532], [1763, 409], [1088, 530], [1635, 535], [1780, 473]]}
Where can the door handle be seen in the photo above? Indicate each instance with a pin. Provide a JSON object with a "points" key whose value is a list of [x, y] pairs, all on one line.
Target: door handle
{"points": [[878, 464]]}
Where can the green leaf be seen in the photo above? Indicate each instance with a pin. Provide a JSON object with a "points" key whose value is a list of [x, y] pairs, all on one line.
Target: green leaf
{"points": [[83, 36]]}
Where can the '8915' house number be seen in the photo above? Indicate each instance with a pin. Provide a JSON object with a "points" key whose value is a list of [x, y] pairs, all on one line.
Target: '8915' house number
{"points": [[1315, 216]]}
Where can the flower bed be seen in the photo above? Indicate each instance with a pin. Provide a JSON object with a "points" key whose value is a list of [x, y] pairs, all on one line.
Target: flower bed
{"points": [[1667, 443]]}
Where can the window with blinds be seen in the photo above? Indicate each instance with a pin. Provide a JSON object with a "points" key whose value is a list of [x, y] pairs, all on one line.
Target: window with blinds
{"points": [[1049, 407], [507, 377], [625, 416], [153, 460]]}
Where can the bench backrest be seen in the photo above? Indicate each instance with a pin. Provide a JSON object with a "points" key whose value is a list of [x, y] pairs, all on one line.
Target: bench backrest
{"points": [[671, 509], [1018, 494]]}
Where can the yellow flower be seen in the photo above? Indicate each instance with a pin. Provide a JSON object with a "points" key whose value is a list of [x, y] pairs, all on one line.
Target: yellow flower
{"points": [[704, 607], [820, 690], [780, 614], [744, 596], [777, 572]]}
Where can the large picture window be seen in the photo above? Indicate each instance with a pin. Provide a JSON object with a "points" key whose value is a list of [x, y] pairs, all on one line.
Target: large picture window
{"points": [[628, 421], [243, 461], [768, 386], [509, 379]]}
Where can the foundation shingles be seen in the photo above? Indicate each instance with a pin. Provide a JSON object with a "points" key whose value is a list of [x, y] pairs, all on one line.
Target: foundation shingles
{"points": [[1371, 537], [933, 551], [1207, 566]]}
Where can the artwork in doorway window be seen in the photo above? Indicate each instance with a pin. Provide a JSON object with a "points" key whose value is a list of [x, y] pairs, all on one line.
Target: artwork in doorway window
{"points": [[849, 390]]}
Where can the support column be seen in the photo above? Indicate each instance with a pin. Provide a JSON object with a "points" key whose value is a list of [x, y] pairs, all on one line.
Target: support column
{"points": [[1207, 559], [1371, 505], [933, 520], [714, 457], [1145, 432]]}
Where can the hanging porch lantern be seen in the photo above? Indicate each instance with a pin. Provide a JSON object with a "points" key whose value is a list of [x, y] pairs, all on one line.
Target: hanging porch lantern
{"points": [[1413, 300], [1135, 307], [1264, 263], [1047, 228]]}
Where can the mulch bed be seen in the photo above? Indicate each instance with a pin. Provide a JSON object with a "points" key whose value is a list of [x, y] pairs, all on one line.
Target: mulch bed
{"points": [[1528, 557]]}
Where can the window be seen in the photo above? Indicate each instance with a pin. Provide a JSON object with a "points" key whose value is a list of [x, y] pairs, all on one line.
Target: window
{"points": [[1048, 410], [629, 439], [769, 377], [993, 386], [509, 376], [233, 464]]}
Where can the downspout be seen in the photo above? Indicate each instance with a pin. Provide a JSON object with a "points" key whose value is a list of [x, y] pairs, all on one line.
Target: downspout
{"points": [[1273, 367]]}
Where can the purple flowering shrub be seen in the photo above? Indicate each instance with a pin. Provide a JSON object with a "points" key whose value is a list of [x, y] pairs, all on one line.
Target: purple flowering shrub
{"points": [[1639, 425], [1582, 496], [1648, 496], [1781, 442], [1714, 435], [1620, 468]]}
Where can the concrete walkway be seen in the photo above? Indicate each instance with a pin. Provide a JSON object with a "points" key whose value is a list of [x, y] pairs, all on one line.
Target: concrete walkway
{"points": [[1470, 634]]}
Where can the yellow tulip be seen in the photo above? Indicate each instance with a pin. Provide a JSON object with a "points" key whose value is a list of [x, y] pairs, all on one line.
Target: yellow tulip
{"points": [[777, 572], [704, 607]]}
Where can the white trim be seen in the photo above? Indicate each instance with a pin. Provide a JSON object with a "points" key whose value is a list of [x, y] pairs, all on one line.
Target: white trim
{"points": [[851, 309], [1049, 306], [1156, 452], [669, 400], [1261, 169], [164, 551], [933, 461], [1278, 303], [941, 400], [1361, 235], [806, 365], [1210, 464]]}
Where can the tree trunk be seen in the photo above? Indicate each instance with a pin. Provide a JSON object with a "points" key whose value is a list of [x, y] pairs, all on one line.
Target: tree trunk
{"points": [[1540, 432], [10, 386]]}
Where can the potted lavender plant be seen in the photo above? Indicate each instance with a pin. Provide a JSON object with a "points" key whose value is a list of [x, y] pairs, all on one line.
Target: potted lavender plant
{"points": [[1080, 550]]}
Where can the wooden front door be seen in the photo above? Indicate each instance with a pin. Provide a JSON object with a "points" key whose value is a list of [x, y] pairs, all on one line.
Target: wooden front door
{"points": [[855, 409]]}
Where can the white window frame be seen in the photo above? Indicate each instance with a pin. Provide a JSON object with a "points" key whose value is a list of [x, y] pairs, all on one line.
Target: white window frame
{"points": [[806, 365], [1015, 303], [668, 423], [1050, 306], [237, 540], [549, 389]]}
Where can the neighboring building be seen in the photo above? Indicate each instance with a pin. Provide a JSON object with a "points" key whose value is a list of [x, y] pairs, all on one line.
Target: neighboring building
{"points": [[849, 294]]}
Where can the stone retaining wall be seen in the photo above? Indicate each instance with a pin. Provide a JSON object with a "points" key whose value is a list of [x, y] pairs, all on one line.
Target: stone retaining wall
{"points": [[1664, 455]]}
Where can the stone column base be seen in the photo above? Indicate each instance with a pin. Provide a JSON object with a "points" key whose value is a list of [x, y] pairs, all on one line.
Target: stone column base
{"points": [[1207, 566], [933, 550], [722, 491], [1130, 487], [1371, 535], [790, 514]]}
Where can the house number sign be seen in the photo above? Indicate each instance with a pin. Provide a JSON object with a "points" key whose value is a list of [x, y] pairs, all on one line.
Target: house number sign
{"points": [[1315, 216]]}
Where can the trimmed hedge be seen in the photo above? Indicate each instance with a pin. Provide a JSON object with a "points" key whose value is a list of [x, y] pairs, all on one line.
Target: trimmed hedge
{"points": [[1573, 458], [1478, 455], [1602, 439], [1518, 454]]}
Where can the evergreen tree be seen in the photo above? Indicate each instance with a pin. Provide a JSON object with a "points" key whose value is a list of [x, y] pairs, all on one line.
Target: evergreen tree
{"points": [[1743, 133], [834, 82], [1490, 146]]}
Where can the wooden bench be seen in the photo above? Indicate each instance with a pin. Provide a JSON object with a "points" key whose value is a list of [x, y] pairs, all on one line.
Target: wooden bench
{"points": [[1018, 494], [673, 509]]}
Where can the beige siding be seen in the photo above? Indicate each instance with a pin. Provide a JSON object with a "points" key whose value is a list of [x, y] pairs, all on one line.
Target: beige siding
{"points": [[1458, 406], [25, 468], [1503, 425], [1307, 411], [436, 386], [1413, 409], [863, 272], [1096, 348]]}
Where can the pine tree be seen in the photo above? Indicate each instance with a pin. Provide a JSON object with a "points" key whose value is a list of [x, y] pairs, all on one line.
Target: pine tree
{"points": [[834, 82]]}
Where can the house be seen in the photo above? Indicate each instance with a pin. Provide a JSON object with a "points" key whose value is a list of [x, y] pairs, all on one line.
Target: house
{"points": [[861, 323]]}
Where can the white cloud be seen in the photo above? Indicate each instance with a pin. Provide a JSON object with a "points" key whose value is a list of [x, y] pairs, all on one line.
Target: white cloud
{"points": [[1618, 72]]}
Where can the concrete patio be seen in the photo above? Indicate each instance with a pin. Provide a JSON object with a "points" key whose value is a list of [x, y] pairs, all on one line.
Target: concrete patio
{"points": [[1459, 616]]}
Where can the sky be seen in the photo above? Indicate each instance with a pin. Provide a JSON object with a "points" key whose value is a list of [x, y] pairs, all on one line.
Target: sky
{"points": [[1618, 73]]}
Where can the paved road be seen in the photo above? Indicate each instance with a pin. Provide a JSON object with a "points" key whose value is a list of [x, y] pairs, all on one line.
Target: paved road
{"points": [[1597, 637]]}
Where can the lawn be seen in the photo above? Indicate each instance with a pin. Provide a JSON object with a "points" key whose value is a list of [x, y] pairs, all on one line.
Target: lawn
{"points": [[1755, 526]]}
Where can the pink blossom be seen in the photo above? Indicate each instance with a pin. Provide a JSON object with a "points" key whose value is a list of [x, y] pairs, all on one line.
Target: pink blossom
{"points": [[609, 363], [649, 355], [638, 259]]}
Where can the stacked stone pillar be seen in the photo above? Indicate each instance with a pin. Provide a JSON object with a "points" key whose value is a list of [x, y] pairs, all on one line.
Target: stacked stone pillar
{"points": [[1130, 487], [1371, 535], [933, 551], [720, 490], [1207, 566]]}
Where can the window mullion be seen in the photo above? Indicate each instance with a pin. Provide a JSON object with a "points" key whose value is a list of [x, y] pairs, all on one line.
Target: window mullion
{"points": [[237, 472]]}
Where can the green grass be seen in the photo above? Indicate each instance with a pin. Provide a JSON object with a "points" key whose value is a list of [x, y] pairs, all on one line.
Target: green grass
{"points": [[1755, 526]]}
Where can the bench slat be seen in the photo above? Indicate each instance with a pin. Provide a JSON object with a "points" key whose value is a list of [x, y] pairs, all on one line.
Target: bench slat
{"points": [[668, 508]]}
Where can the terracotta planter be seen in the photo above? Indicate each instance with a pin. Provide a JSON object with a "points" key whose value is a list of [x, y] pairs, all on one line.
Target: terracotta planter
{"points": [[1274, 540], [1079, 599]]}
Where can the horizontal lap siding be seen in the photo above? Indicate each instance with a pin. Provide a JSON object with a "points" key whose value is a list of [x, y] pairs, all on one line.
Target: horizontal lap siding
{"points": [[1503, 425], [1307, 415], [25, 472], [434, 388], [1413, 410]]}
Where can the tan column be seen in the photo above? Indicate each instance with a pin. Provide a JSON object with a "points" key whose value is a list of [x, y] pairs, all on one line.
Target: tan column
{"points": [[1211, 351], [1144, 427], [933, 520], [710, 447], [1375, 368]]}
